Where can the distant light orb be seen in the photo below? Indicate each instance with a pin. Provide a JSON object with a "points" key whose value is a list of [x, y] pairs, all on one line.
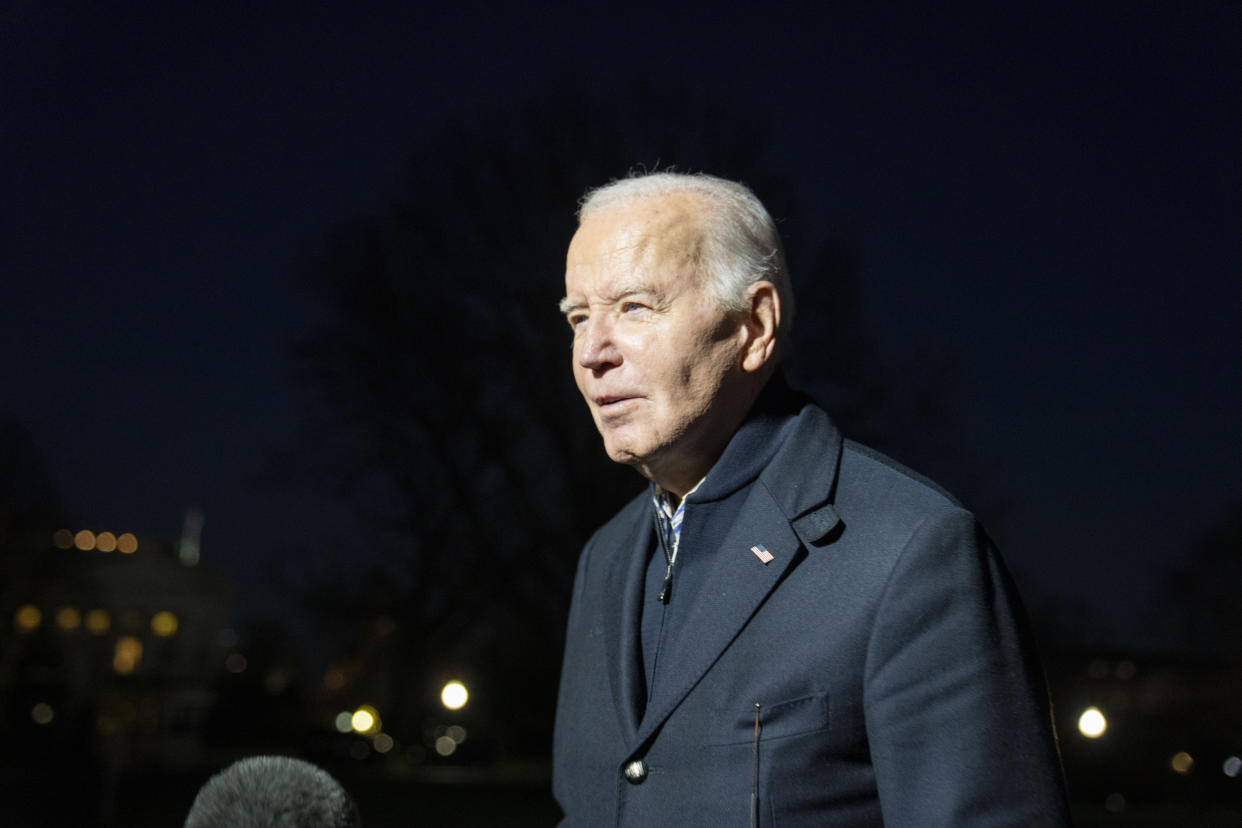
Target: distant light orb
{"points": [[164, 624], [1232, 767], [383, 743], [126, 655], [1182, 762], [68, 618], [105, 542], [27, 618], [84, 540], [235, 663], [127, 544], [42, 713], [454, 696], [456, 732], [98, 622], [1092, 723], [344, 721], [62, 539], [445, 746], [365, 719]]}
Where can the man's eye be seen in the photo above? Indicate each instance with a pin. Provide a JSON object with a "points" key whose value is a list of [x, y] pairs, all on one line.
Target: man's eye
{"points": [[631, 307], [576, 319]]}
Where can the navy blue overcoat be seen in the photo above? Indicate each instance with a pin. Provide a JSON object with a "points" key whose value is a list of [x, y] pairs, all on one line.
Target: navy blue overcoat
{"points": [[882, 648]]}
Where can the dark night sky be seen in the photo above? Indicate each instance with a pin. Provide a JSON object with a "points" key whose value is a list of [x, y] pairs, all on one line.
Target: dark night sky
{"points": [[1053, 196]]}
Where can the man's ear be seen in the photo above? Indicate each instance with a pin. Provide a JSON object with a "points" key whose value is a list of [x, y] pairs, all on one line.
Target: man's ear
{"points": [[763, 319]]}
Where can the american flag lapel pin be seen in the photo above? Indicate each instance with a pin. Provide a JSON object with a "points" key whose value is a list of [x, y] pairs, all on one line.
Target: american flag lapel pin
{"points": [[762, 553]]}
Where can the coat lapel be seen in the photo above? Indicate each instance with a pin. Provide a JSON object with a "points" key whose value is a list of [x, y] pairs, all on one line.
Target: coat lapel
{"points": [[734, 590], [621, 604], [787, 510]]}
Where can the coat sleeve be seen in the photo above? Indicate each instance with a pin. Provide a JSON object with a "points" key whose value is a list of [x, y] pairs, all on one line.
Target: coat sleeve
{"points": [[956, 708]]}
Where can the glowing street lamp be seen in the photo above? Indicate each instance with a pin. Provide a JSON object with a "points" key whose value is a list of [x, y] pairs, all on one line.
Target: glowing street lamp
{"points": [[1092, 723], [454, 695]]}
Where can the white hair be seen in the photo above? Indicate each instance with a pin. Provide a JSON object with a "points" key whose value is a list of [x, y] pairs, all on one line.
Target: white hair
{"points": [[741, 245]]}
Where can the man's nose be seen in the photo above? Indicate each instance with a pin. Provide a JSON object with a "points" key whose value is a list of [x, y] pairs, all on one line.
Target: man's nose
{"points": [[595, 348]]}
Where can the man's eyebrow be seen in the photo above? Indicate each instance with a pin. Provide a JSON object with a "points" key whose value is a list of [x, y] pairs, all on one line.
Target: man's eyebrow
{"points": [[624, 291]]}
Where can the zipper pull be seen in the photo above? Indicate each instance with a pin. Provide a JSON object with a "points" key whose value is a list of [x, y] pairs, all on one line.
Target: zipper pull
{"points": [[666, 591]]}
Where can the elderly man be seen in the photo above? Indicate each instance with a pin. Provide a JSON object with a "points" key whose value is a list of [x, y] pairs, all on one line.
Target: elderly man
{"points": [[787, 628]]}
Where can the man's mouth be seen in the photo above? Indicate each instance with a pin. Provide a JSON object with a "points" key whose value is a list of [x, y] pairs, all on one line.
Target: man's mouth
{"points": [[612, 401]]}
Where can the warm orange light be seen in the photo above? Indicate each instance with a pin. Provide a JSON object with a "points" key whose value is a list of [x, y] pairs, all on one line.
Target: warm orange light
{"points": [[98, 621], [84, 540], [27, 618], [1182, 762], [68, 618], [62, 539], [164, 624], [127, 654], [105, 542], [127, 544]]}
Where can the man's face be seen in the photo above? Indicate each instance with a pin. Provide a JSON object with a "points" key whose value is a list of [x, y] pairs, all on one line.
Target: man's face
{"points": [[656, 357]]}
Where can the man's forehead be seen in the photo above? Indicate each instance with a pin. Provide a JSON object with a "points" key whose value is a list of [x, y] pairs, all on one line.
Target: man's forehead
{"points": [[638, 234]]}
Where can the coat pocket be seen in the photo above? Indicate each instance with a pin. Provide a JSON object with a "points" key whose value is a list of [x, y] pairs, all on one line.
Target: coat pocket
{"points": [[777, 720]]}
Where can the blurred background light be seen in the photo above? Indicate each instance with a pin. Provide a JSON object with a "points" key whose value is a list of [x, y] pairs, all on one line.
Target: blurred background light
{"points": [[105, 542], [164, 624], [68, 618], [382, 743], [62, 539], [1092, 723], [344, 721], [366, 719], [27, 618], [445, 746], [127, 654], [1115, 803], [1232, 767], [1182, 762], [127, 544], [235, 663], [454, 696], [98, 622], [456, 732], [84, 540], [42, 713]]}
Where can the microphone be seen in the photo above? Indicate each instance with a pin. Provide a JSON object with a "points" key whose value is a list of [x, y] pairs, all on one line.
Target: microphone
{"points": [[273, 792]]}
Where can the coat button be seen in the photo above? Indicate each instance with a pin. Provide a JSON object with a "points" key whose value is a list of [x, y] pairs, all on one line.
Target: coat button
{"points": [[635, 772]]}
